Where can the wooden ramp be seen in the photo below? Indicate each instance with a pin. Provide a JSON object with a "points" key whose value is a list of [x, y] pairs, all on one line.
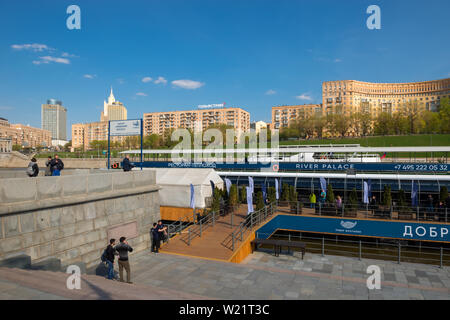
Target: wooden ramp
{"points": [[210, 244]]}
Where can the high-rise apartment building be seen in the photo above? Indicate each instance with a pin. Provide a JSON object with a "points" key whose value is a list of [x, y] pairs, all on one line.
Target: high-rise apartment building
{"points": [[357, 96], [24, 136], [197, 120], [350, 96], [54, 119], [283, 115], [113, 110], [84, 133]]}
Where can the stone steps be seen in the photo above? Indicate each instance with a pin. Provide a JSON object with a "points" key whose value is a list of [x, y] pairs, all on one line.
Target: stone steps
{"points": [[92, 287]]}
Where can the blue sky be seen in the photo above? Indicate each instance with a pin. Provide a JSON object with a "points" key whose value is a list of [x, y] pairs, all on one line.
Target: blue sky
{"points": [[252, 54]]}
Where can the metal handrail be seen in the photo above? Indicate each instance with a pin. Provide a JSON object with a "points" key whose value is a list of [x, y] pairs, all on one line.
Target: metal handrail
{"points": [[382, 212], [253, 219], [200, 226], [391, 251]]}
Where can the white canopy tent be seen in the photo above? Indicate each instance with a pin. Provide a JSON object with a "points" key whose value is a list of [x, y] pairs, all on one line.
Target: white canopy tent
{"points": [[175, 186]]}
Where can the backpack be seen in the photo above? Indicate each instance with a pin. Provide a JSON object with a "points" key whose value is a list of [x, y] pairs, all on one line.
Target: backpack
{"points": [[30, 170], [104, 255]]}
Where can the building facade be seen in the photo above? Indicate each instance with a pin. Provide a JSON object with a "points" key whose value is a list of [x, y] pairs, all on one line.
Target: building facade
{"points": [[113, 110], [84, 133], [25, 136], [283, 115], [5, 145], [258, 126], [374, 98], [54, 119], [197, 120]]}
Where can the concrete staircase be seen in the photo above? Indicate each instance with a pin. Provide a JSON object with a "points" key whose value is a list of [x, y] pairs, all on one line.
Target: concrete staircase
{"points": [[92, 287]]}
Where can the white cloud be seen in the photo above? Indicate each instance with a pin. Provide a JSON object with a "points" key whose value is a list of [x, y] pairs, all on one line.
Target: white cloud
{"points": [[146, 79], [32, 46], [337, 60], [68, 55], [160, 80], [48, 59], [270, 92], [90, 76], [188, 84], [304, 96], [141, 94]]}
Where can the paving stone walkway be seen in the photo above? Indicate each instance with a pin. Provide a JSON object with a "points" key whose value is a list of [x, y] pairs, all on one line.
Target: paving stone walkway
{"points": [[263, 276]]}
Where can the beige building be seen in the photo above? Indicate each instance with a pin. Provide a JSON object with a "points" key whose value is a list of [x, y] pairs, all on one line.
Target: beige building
{"points": [[84, 133], [23, 135], [258, 126], [197, 120], [5, 145], [113, 110], [283, 115], [374, 98]]}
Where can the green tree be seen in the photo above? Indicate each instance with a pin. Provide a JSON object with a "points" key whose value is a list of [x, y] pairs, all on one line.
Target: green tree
{"points": [[330, 194], [152, 141], [272, 195], [383, 124], [353, 200], [259, 200], [443, 194], [233, 197], [285, 192], [17, 147], [387, 196], [215, 206], [243, 195], [444, 115]]}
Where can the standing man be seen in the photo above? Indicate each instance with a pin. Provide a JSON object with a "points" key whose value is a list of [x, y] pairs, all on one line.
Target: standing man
{"points": [[48, 172], [123, 248], [56, 165], [162, 231], [110, 253], [154, 235], [126, 165]]}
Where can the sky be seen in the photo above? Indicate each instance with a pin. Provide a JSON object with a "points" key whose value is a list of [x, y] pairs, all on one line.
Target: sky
{"points": [[165, 55]]}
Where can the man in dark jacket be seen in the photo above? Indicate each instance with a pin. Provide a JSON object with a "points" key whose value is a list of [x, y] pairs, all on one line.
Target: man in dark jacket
{"points": [[110, 253], [126, 165], [123, 248], [56, 165], [162, 231], [154, 235]]}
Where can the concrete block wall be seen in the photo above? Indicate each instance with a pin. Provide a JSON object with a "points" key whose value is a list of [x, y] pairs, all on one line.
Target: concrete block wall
{"points": [[69, 217]]}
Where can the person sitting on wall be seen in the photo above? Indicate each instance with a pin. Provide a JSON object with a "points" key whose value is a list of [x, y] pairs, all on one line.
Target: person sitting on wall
{"points": [[126, 165], [33, 168]]}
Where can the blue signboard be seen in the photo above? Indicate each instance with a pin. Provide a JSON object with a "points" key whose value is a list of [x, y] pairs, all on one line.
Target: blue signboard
{"points": [[307, 166], [357, 227]]}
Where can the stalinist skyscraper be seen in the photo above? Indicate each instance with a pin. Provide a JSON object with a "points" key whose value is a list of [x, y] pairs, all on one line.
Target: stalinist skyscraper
{"points": [[113, 110]]}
